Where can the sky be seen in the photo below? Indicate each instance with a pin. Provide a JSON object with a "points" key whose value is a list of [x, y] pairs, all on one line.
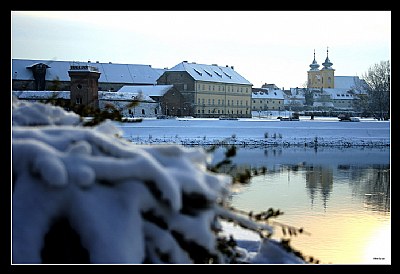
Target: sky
{"points": [[274, 47]]}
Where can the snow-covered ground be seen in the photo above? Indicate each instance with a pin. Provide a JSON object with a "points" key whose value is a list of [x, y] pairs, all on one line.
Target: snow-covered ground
{"points": [[129, 203], [321, 131]]}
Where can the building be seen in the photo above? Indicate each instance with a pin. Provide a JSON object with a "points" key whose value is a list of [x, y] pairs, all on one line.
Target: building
{"points": [[321, 78], [210, 90], [162, 100], [264, 99], [53, 75], [327, 91], [84, 86]]}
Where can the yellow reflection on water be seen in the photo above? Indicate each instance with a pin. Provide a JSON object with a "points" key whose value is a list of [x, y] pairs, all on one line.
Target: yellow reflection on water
{"points": [[344, 239], [378, 249], [344, 228]]}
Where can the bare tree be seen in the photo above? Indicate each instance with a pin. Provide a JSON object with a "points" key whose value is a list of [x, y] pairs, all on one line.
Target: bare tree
{"points": [[377, 86]]}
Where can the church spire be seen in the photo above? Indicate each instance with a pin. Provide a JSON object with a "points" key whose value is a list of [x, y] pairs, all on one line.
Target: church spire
{"points": [[314, 65], [327, 64]]}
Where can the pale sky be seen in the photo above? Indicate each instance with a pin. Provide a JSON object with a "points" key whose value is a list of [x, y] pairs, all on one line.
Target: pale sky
{"points": [[274, 47]]}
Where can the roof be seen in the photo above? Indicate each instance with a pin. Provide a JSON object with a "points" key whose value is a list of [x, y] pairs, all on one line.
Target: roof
{"points": [[264, 93], [110, 72], [124, 96], [103, 95], [155, 90], [41, 95], [211, 73], [340, 93], [348, 82]]}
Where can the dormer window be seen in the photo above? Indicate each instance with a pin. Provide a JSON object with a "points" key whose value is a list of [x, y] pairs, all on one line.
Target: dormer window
{"points": [[209, 74], [228, 75], [198, 72], [219, 74]]}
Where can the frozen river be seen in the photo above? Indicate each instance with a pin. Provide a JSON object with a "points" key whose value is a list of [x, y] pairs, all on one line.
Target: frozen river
{"points": [[324, 132]]}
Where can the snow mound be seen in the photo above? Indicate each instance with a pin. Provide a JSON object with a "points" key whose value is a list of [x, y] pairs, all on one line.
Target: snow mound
{"points": [[127, 203]]}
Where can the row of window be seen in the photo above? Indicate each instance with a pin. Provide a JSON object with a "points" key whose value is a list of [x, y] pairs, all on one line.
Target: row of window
{"points": [[210, 87], [270, 108], [261, 101], [221, 102], [220, 111]]}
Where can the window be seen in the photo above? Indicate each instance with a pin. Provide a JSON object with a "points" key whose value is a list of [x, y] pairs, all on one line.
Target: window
{"points": [[209, 74], [143, 112], [227, 75], [198, 72], [78, 100], [219, 74]]}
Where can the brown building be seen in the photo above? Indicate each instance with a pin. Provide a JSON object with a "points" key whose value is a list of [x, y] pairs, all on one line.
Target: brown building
{"points": [[84, 86]]}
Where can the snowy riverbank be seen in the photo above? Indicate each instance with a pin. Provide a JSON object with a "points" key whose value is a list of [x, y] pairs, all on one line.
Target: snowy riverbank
{"points": [[260, 132]]}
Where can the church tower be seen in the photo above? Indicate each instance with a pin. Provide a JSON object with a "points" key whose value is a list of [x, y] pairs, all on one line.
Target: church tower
{"points": [[314, 75], [323, 78], [327, 73]]}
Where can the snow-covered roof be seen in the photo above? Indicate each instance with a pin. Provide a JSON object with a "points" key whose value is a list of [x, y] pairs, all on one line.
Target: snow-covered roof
{"points": [[103, 95], [125, 96], [41, 95], [110, 72], [340, 93], [261, 93], [297, 93], [154, 90], [323, 104], [211, 73], [347, 82]]}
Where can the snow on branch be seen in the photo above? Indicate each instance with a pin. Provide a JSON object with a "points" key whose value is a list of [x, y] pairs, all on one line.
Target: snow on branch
{"points": [[126, 203]]}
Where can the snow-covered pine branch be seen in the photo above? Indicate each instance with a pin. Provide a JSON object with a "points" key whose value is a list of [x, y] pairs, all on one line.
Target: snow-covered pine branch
{"points": [[121, 202]]}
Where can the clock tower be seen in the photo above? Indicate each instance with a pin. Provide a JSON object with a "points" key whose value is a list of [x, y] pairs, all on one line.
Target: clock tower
{"points": [[327, 73], [314, 75], [323, 78]]}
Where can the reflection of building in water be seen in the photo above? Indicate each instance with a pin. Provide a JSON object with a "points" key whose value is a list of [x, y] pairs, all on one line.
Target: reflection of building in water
{"points": [[372, 185], [273, 152], [319, 179]]}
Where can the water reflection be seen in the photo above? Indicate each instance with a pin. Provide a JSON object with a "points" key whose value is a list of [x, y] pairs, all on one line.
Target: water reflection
{"points": [[319, 179], [341, 196], [365, 170], [370, 183]]}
